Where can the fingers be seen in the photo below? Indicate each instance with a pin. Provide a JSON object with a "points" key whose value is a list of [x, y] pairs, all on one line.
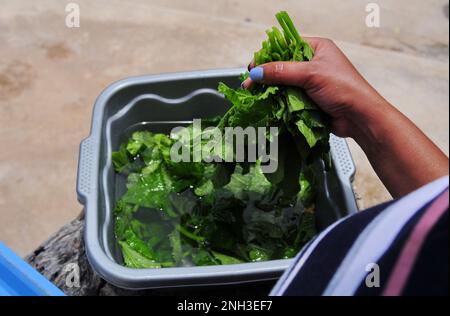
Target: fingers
{"points": [[283, 73], [287, 73], [314, 41], [246, 83], [251, 65]]}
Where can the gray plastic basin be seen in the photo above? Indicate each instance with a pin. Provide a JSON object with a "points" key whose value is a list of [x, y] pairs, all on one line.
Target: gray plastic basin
{"points": [[158, 103]]}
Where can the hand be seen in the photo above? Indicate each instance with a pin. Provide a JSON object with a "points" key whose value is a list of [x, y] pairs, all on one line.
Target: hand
{"points": [[331, 81], [401, 154]]}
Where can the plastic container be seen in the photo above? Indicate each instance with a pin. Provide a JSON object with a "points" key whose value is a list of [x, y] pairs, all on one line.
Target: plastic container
{"points": [[18, 278], [159, 103]]}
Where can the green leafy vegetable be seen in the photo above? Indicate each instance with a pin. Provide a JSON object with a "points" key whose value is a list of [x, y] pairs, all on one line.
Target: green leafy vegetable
{"points": [[254, 182], [199, 213]]}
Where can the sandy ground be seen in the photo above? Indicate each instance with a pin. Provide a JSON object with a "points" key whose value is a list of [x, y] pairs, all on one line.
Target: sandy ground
{"points": [[50, 76]]}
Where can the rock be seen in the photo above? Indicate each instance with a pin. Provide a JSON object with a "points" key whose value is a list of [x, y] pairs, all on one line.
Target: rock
{"points": [[66, 247]]}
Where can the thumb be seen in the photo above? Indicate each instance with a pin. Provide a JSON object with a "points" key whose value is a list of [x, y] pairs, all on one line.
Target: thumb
{"points": [[292, 73]]}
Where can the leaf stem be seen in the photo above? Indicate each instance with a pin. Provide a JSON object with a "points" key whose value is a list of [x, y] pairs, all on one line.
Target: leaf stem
{"points": [[188, 234]]}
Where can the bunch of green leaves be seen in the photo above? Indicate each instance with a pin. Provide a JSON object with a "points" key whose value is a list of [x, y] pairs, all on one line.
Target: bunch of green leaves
{"points": [[198, 213], [282, 106]]}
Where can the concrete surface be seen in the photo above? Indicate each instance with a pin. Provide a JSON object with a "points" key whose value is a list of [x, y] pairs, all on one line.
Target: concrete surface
{"points": [[50, 76]]}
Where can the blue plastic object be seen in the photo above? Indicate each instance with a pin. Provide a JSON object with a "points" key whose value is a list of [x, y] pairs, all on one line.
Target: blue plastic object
{"points": [[18, 278]]}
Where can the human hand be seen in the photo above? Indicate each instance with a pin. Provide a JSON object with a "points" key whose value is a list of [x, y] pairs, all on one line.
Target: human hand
{"points": [[401, 154], [332, 82]]}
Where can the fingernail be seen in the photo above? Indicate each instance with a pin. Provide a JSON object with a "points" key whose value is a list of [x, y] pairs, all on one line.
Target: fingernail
{"points": [[257, 73]]}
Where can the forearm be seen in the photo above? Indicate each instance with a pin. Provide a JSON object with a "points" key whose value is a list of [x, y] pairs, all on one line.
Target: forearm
{"points": [[402, 156]]}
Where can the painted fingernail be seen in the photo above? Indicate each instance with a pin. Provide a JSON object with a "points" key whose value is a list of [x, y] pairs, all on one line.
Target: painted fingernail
{"points": [[257, 74]]}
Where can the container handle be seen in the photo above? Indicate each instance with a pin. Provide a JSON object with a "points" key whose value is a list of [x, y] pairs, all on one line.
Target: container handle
{"points": [[345, 169], [85, 179]]}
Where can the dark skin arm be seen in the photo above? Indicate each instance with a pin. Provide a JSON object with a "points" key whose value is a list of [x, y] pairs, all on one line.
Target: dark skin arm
{"points": [[402, 155]]}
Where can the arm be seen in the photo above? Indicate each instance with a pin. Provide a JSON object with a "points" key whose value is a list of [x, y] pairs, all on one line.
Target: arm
{"points": [[402, 156]]}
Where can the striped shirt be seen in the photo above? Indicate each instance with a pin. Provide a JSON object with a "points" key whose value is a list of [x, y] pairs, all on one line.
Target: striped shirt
{"points": [[397, 248]]}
